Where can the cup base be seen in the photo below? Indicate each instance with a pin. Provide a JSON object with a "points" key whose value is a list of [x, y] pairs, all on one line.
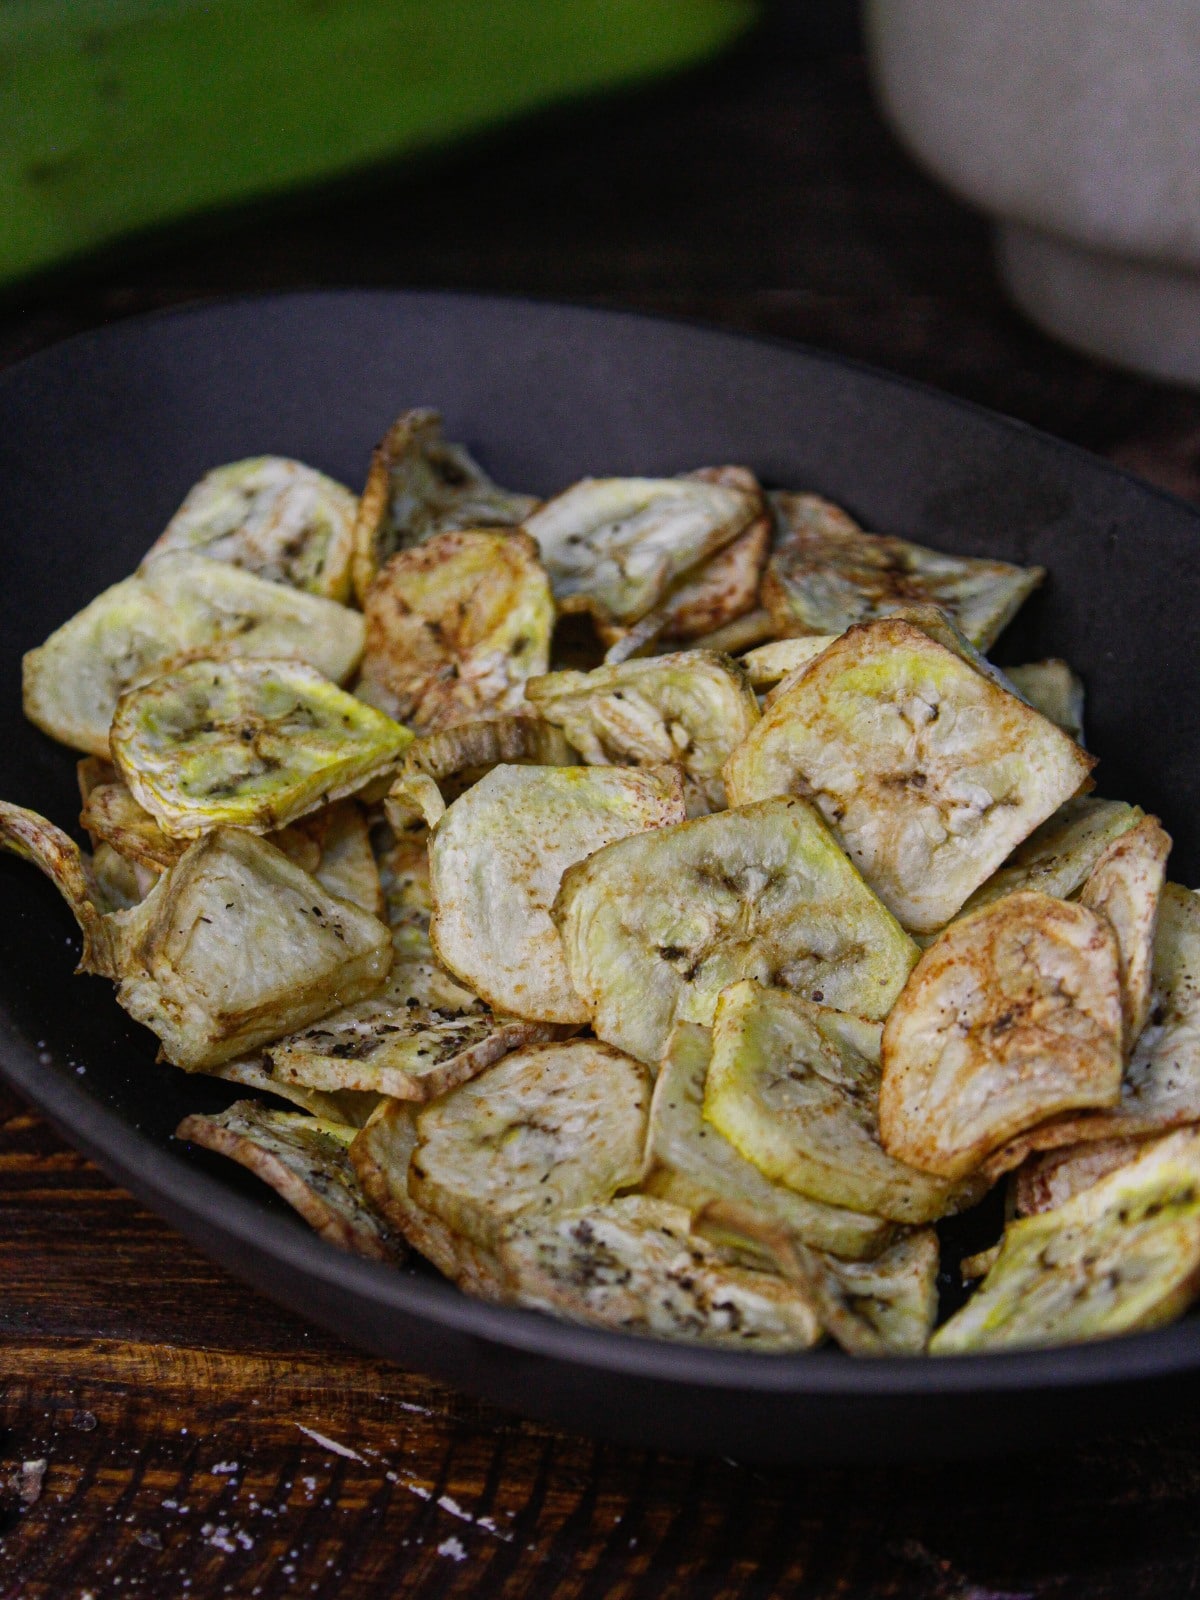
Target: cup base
{"points": [[1135, 313]]}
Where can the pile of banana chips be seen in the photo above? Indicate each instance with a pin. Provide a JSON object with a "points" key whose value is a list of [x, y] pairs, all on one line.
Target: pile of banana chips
{"points": [[675, 968]]}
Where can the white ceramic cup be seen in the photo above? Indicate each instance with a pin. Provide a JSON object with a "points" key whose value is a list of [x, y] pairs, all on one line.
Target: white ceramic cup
{"points": [[1076, 125]]}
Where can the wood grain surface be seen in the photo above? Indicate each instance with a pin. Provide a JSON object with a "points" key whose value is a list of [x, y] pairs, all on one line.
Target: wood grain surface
{"points": [[199, 1442]]}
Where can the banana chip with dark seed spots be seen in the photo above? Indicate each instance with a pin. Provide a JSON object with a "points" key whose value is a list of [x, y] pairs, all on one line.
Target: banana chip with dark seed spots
{"points": [[886, 1306]]}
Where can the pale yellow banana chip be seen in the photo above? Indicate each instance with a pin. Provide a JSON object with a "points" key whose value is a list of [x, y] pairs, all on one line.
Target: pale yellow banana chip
{"points": [[273, 517], [419, 485], [381, 1155], [1058, 857], [1054, 690], [496, 862], [456, 627], [615, 546], [794, 1087], [1121, 1256], [344, 1106], [656, 926], [1012, 1016], [305, 1161], [827, 574], [236, 946], [887, 1306], [635, 1265], [694, 1165], [250, 744], [180, 606], [692, 708], [1125, 886], [545, 1129], [1052, 1178], [929, 773], [769, 664]]}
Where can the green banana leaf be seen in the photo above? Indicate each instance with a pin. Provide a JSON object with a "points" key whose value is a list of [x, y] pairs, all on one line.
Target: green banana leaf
{"points": [[116, 115]]}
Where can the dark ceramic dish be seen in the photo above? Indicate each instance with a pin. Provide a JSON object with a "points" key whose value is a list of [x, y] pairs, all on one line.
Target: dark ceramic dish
{"points": [[99, 440]]}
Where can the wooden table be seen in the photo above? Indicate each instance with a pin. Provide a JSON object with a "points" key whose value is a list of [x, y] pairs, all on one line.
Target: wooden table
{"points": [[199, 1442]]}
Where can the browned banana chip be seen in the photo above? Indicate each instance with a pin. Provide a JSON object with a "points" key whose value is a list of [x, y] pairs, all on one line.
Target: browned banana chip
{"points": [[794, 1087], [694, 1165], [887, 1306], [305, 1161], [111, 813], [439, 766], [455, 627], [1058, 857], [692, 708], [1125, 887], [615, 546], [271, 516], [380, 1155], [183, 962], [929, 773], [91, 772], [1012, 1016], [1121, 1256], [654, 927], [496, 862], [179, 607], [1054, 690], [419, 485], [546, 1129], [827, 574], [1051, 1179], [634, 1265], [34, 839]]}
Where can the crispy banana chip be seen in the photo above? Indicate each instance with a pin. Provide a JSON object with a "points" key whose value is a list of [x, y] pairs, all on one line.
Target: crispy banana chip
{"points": [[1054, 690], [696, 1166], [1012, 1016], [634, 1265], [345, 1106], [692, 709], [344, 861], [496, 861], [1125, 887], [110, 813], [887, 1306], [380, 1155], [249, 744], [615, 546], [30, 836], [1051, 1179], [795, 1089], [455, 627], [1059, 857], [769, 664], [656, 926], [178, 607], [546, 1129], [271, 516], [236, 946], [305, 1161], [1121, 1256], [439, 766], [827, 574], [929, 773], [419, 485]]}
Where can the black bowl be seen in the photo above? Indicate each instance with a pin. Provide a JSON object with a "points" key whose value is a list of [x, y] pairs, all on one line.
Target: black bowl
{"points": [[99, 440]]}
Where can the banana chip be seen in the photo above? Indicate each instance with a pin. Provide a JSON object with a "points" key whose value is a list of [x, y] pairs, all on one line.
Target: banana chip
{"points": [[770, 663], [1121, 1256], [1012, 1016], [1060, 856], [119, 883], [754, 628], [419, 485], [304, 1160], [496, 861], [546, 1129], [1050, 1180], [827, 574], [795, 1090], [694, 1165], [236, 946], [615, 546], [634, 1264], [1054, 690], [344, 1106], [407, 896], [692, 709], [439, 766], [30, 836], [456, 627], [178, 607], [110, 813], [344, 861], [887, 1306], [273, 517], [654, 927], [929, 773], [1124, 887], [380, 1156], [251, 744]]}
